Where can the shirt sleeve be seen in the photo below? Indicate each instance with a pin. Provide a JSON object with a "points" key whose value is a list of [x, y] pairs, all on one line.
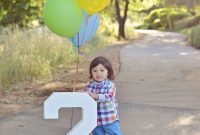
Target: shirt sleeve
{"points": [[87, 87], [109, 95]]}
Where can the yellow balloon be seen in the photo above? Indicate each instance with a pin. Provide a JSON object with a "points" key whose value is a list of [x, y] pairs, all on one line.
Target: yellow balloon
{"points": [[93, 6]]}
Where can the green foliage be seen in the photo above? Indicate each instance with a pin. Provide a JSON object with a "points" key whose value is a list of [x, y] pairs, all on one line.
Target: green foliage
{"points": [[187, 22], [108, 24], [30, 55], [138, 9], [197, 9], [20, 12], [27, 55], [195, 38], [187, 3], [109, 27], [164, 18], [139, 5], [186, 32]]}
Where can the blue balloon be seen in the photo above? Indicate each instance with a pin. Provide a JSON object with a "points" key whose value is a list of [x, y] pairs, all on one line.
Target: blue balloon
{"points": [[87, 31]]}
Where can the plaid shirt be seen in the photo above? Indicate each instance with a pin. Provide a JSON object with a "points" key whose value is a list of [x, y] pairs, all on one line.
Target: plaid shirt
{"points": [[107, 107]]}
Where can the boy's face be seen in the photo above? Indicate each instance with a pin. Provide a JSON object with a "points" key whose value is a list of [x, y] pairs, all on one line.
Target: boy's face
{"points": [[99, 73]]}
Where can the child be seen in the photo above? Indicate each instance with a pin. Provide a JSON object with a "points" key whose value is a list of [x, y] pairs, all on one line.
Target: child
{"points": [[103, 91]]}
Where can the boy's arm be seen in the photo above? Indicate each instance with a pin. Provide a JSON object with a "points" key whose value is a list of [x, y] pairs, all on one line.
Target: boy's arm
{"points": [[88, 90], [107, 96], [87, 87]]}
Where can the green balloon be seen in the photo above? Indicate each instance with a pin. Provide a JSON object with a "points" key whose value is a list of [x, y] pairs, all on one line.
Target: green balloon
{"points": [[63, 17]]}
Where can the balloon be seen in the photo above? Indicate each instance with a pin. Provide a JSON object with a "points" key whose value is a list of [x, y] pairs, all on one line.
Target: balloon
{"points": [[93, 6], [88, 28], [63, 17]]}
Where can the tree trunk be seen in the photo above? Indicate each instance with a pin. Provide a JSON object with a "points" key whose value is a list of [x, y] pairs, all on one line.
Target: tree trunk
{"points": [[121, 19], [121, 30]]}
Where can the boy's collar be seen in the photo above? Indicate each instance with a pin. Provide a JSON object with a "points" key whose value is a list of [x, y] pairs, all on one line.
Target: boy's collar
{"points": [[99, 83]]}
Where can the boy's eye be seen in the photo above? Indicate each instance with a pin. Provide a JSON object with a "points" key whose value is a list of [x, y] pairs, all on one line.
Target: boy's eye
{"points": [[102, 70]]}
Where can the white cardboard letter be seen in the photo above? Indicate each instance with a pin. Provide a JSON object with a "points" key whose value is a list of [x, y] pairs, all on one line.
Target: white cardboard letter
{"points": [[59, 100]]}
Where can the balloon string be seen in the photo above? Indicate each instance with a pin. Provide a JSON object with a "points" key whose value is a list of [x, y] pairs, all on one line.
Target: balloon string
{"points": [[77, 67], [87, 18], [75, 81]]}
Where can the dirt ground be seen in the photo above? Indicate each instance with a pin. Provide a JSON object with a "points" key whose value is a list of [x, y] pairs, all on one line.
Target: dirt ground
{"points": [[31, 95]]}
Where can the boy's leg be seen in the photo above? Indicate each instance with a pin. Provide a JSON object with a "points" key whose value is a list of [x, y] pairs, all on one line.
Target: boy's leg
{"points": [[113, 128], [98, 131]]}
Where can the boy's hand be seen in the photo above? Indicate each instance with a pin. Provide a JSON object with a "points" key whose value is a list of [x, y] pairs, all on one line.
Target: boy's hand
{"points": [[95, 96]]}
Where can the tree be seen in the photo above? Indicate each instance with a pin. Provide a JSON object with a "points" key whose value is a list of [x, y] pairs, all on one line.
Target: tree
{"points": [[188, 3], [20, 12], [121, 19], [125, 6]]}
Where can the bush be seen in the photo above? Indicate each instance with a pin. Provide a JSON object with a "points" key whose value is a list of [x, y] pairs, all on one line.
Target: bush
{"points": [[26, 55], [187, 22], [188, 3], [195, 38], [35, 54], [164, 18]]}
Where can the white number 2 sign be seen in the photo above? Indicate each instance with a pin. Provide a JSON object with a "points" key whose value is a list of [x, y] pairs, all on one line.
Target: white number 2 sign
{"points": [[59, 100]]}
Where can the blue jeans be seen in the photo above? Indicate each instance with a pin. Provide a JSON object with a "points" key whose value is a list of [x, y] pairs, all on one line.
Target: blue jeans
{"points": [[110, 129]]}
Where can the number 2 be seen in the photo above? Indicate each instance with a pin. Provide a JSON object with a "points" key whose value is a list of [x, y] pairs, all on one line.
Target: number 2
{"points": [[59, 100]]}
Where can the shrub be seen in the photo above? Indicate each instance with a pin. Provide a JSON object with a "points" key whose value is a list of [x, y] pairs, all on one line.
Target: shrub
{"points": [[35, 54], [187, 22], [27, 55], [164, 18], [195, 38]]}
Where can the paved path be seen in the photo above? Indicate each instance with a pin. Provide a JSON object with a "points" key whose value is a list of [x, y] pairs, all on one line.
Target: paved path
{"points": [[159, 86], [158, 92]]}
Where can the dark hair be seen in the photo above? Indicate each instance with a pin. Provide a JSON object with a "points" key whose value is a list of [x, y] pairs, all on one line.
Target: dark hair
{"points": [[105, 62]]}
